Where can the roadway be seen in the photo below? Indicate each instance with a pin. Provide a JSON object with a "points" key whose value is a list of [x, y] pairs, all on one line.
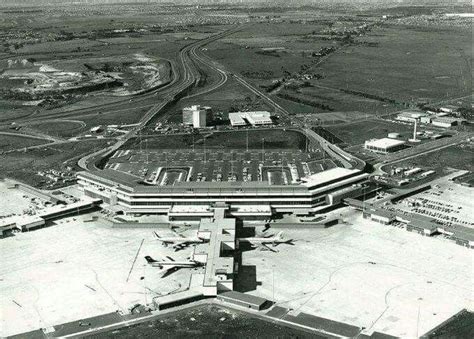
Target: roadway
{"points": [[348, 159], [187, 76], [421, 150]]}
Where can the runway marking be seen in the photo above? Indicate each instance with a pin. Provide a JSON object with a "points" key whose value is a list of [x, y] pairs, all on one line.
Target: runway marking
{"points": [[90, 288]]}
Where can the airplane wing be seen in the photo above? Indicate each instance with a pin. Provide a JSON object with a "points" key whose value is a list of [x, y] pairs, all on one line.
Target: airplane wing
{"points": [[169, 270], [178, 234], [180, 245], [264, 247]]}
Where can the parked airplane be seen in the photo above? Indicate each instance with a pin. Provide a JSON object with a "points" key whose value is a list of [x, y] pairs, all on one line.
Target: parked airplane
{"points": [[263, 242], [170, 266], [179, 241]]}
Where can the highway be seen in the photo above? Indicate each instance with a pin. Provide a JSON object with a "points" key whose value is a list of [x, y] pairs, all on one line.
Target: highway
{"points": [[344, 157], [187, 76]]}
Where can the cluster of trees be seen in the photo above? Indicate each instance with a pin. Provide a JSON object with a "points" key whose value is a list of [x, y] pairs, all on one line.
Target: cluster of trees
{"points": [[305, 101], [258, 74], [368, 95], [271, 52]]}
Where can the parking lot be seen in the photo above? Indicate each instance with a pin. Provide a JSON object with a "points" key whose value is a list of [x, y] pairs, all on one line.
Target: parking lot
{"points": [[447, 201], [218, 165]]}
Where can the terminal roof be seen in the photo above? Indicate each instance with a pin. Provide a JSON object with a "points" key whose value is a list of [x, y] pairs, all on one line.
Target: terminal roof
{"points": [[328, 175]]}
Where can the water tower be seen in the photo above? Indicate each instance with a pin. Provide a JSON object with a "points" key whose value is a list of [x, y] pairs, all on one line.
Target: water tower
{"points": [[414, 139]]}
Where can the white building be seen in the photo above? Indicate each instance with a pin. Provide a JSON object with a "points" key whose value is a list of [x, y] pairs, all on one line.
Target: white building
{"points": [[197, 116], [411, 116], [252, 118], [445, 122], [426, 120], [449, 108], [199, 119], [384, 145]]}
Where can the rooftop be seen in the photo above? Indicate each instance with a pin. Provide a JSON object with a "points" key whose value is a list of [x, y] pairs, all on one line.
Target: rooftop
{"points": [[257, 117], [413, 114], [447, 119], [384, 143], [246, 298], [135, 184], [328, 175]]}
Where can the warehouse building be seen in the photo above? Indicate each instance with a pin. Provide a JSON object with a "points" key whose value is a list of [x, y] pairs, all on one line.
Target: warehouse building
{"points": [[384, 145], [445, 122], [449, 108]]}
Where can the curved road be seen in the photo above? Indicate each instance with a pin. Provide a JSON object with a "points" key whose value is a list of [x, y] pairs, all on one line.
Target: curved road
{"points": [[186, 78]]}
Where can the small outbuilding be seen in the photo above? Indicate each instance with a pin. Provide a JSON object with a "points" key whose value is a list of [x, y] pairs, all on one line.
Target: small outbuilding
{"points": [[243, 300]]}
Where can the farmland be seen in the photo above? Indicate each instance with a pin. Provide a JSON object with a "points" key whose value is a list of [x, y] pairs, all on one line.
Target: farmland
{"points": [[59, 128], [353, 77], [419, 69]]}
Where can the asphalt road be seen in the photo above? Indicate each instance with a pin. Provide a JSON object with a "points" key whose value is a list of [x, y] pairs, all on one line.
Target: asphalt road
{"points": [[186, 77]]}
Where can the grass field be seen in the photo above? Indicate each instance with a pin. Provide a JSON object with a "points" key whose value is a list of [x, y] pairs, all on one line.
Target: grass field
{"points": [[11, 142], [274, 139], [23, 166], [60, 128], [406, 65], [459, 157], [400, 65], [356, 133], [208, 321], [460, 326], [239, 51], [127, 115]]}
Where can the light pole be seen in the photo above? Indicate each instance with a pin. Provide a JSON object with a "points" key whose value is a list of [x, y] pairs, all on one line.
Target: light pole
{"points": [[273, 283], [247, 130]]}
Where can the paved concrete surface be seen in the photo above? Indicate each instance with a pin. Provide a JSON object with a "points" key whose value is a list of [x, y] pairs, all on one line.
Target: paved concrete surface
{"points": [[379, 277], [78, 269]]}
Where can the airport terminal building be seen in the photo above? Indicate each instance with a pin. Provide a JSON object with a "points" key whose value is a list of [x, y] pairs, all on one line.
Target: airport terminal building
{"points": [[251, 199]]}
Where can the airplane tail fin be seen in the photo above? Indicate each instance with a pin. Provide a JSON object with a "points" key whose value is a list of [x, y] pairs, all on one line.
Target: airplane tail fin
{"points": [[149, 259], [278, 238]]}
